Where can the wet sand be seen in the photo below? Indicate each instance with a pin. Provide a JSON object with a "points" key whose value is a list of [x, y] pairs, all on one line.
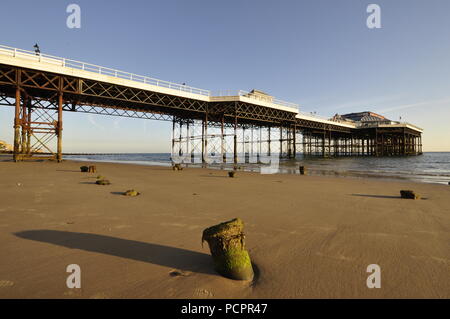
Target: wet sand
{"points": [[310, 236]]}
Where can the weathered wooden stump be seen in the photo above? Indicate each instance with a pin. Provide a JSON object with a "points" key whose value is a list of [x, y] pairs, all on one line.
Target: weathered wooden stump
{"points": [[103, 182], [231, 173], [131, 192], [84, 169], [408, 194], [302, 170], [92, 169], [226, 243]]}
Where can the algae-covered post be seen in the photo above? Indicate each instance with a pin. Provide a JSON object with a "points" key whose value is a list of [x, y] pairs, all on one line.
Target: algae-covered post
{"points": [[131, 192], [226, 243], [103, 182], [177, 167], [409, 194], [302, 170]]}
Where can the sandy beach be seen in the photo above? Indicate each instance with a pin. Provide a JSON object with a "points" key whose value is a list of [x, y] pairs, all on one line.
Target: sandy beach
{"points": [[309, 236]]}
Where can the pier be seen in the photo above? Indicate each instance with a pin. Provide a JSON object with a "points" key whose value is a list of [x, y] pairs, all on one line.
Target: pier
{"points": [[42, 87]]}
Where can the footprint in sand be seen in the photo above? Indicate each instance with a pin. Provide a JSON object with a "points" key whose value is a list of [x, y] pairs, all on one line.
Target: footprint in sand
{"points": [[122, 226], [100, 295], [38, 197], [432, 258], [203, 293], [337, 257], [189, 227], [173, 224], [6, 283], [73, 293]]}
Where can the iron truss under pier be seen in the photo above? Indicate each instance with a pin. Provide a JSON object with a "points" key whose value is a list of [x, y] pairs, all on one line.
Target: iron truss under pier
{"points": [[242, 126]]}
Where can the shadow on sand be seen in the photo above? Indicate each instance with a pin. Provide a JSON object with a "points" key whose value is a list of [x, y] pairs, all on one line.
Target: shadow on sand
{"points": [[118, 193], [215, 176], [376, 196], [147, 252]]}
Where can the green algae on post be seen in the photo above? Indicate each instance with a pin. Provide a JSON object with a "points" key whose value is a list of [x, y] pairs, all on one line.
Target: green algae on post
{"points": [[102, 182], [84, 169], [131, 192], [226, 243]]}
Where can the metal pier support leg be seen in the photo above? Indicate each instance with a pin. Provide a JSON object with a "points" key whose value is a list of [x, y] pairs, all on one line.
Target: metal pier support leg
{"points": [[205, 138], [173, 137], [60, 128], [23, 147], [16, 155], [289, 142], [187, 139], [180, 145], [259, 149], [224, 155], [323, 144], [295, 141], [29, 129], [329, 142], [235, 157], [281, 141], [268, 146], [244, 154], [250, 156]]}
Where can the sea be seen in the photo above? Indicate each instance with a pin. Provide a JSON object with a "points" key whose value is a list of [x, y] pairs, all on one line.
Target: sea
{"points": [[430, 167]]}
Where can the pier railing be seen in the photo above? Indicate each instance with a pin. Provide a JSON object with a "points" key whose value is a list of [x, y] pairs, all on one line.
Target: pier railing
{"points": [[50, 59], [259, 97], [314, 115]]}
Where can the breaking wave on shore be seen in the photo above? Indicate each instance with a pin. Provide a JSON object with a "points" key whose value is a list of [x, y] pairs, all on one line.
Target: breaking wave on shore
{"points": [[427, 168]]}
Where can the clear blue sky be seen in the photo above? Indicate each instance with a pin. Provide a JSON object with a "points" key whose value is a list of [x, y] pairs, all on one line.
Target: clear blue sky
{"points": [[318, 53]]}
